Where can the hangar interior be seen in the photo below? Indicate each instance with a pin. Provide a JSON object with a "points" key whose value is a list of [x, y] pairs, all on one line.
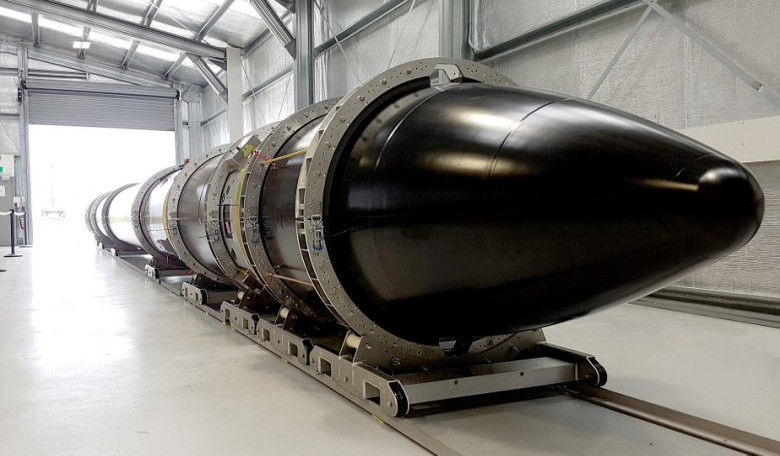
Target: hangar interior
{"points": [[108, 342]]}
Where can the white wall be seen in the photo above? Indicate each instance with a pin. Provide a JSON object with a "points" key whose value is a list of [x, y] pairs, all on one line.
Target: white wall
{"points": [[748, 141]]}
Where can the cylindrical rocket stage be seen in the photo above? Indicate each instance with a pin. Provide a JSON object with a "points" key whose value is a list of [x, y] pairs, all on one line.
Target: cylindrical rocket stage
{"points": [[132, 217], [417, 210]]}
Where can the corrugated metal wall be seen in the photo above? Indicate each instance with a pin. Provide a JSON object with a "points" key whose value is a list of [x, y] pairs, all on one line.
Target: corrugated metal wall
{"points": [[100, 105]]}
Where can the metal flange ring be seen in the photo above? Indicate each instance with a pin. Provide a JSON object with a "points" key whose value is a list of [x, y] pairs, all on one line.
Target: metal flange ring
{"points": [[93, 222], [232, 161], [255, 173], [139, 209], [106, 207], [171, 220], [88, 217], [383, 347]]}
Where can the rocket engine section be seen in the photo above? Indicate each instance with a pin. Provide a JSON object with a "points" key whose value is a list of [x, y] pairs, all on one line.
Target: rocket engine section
{"points": [[437, 211]]}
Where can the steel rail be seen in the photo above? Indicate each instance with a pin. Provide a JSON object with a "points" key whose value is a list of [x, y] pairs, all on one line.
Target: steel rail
{"points": [[691, 425], [745, 308]]}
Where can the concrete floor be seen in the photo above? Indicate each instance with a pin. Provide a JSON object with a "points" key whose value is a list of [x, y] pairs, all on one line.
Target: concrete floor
{"points": [[94, 359]]}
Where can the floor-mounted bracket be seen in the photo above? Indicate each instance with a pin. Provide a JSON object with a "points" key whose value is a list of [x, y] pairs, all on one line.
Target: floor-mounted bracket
{"points": [[326, 359]]}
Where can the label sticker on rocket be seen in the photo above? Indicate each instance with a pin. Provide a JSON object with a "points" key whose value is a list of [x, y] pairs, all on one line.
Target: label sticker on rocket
{"points": [[248, 149]]}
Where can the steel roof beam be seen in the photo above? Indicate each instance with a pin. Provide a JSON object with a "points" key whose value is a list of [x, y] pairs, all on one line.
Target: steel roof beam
{"points": [[100, 69], [303, 67], [36, 30], [91, 6], [175, 66], [204, 30], [213, 19], [275, 24], [51, 74], [716, 53], [151, 13], [360, 25], [574, 21], [125, 28], [211, 78]]}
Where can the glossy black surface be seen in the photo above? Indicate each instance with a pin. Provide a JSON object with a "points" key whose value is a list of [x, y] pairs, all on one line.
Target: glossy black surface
{"points": [[479, 210]]}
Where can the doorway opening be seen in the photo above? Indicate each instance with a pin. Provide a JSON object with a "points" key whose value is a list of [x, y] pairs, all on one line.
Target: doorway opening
{"points": [[70, 166]]}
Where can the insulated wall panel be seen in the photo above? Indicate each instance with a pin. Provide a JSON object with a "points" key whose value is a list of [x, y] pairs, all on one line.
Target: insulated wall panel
{"points": [[271, 104], [215, 132], [662, 76], [404, 35], [497, 21], [9, 135], [268, 81], [755, 269], [8, 94]]}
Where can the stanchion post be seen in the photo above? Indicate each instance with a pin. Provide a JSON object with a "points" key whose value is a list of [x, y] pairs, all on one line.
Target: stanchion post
{"points": [[11, 216], [24, 216]]}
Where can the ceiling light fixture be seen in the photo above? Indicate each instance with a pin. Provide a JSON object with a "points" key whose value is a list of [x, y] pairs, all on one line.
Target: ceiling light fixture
{"points": [[81, 44]]}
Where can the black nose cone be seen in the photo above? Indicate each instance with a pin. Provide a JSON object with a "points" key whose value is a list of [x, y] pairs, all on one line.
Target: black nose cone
{"points": [[481, 210], [674, 190], [729, 201]]}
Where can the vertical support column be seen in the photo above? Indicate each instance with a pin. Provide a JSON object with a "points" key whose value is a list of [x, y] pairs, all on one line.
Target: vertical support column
{"points": [[24, 143], [181, 153], [304, 68], [235, 109], [454, 23], [194, 117]]}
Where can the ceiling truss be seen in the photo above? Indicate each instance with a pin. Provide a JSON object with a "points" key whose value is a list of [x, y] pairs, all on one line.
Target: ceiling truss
{"points": [[204, 30], [144, 34], [91, 6], [140, 33], [151, 13]]}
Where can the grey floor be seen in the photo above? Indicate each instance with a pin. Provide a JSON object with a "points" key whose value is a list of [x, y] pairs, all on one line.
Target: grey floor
{"points": [[94, 359]]}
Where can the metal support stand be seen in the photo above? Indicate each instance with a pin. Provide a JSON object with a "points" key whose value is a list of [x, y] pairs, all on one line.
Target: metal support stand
{"points": [[331, 359], [157, 273], [119, 252], [207, 294], [158, 269], [11, 216]]}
